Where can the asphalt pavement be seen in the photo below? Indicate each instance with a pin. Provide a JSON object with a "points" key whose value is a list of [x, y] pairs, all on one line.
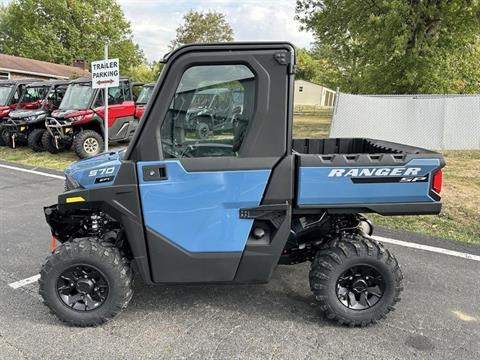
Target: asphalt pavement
{"points": [[438, 316]]}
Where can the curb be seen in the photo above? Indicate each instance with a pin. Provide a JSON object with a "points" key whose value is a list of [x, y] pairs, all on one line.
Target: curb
{"points": [[29, 167]]}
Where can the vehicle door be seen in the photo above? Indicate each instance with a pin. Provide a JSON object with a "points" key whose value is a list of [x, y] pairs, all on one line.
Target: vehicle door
{"points": [[192, 191]]}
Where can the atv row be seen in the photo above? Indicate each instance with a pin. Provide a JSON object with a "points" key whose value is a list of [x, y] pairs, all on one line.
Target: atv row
{"points": [[57, 115]]}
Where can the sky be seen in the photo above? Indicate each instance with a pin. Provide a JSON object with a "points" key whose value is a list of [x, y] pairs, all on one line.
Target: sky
{"points": [[154, 22]]}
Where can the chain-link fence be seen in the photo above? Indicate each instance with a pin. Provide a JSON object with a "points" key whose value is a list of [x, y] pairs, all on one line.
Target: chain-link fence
{"points": [[430, 121]]}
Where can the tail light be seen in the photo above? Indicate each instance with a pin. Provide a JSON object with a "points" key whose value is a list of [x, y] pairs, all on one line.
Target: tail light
{"points": [[437, 181]]}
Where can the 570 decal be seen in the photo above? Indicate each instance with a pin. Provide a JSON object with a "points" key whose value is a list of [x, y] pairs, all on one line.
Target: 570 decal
{"points": [[102, 171]]}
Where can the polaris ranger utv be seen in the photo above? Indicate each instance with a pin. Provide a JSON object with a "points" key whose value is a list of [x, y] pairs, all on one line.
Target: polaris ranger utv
{"points": [[229, 210], [79, 120], [26, 124], [10, 93]]}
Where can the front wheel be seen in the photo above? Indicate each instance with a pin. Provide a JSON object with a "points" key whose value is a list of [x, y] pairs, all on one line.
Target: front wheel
{"points": [[202, 130], [35, 140], [3, 137], [356, 280], [55, 146], [85, 282], [88, 143]]}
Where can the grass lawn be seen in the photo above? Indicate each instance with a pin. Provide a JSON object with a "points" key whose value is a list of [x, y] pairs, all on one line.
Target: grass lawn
{"points": [[460, 217], [25, 156]]}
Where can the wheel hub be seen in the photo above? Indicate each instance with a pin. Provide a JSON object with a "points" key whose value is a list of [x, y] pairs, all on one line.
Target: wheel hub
{"points": [[82, 288], [360, 287], [90, 145]]}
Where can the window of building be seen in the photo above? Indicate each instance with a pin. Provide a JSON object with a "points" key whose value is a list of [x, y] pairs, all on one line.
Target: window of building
{"points": [[4, 75], [300, 89]]}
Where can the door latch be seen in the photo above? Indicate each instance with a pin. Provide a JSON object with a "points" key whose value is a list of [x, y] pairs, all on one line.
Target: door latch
{"points": [[154, 173]]}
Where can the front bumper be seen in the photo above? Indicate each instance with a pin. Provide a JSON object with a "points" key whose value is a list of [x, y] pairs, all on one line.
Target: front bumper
{"points": [[59, 128]]}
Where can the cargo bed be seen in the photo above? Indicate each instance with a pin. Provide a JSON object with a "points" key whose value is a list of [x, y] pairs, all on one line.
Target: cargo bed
{"points": [[367, 175]]}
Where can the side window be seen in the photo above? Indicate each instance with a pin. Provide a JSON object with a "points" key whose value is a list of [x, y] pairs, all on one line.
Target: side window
{"points": [[126, 91], [16, 95], [117, 95], [99, 100], [210, 112]]}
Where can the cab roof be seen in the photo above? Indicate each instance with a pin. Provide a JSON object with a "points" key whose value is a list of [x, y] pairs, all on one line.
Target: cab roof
{"points": [[89, 79], [18, 82], [48, 83], [228, 45]]}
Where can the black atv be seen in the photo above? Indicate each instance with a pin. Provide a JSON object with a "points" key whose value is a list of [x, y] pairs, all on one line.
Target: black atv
{"points": [[10, 93], [26, 124], [212, 110]]}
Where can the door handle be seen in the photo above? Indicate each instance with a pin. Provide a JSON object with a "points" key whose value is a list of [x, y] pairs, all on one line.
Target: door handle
{"points": [[154, 173]]}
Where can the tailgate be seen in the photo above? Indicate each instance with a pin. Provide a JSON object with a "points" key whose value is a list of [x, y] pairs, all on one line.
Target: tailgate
{"points": [[386, 183]]}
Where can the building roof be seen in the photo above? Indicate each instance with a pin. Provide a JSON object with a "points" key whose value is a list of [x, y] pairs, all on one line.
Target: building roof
{"points": [[39, 68]]}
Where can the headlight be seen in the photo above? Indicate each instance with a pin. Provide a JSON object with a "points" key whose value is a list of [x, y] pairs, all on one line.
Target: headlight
{"points": [[77, 118]]}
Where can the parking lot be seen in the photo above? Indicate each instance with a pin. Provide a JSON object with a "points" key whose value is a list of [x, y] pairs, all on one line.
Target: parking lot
{"points": [[438, 317]]}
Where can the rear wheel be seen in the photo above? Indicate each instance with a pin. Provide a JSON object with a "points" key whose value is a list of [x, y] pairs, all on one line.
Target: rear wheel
{"points": [[85, 282], [356, 280], [48, 142], [35, 140], [88, 143]]}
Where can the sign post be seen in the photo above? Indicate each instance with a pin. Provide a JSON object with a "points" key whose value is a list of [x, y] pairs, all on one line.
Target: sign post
{"points": [[105, 74]]}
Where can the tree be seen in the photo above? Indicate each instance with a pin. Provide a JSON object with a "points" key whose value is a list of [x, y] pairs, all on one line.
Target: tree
{"points": [[145, 73], [312, 68], [64, 30], [200, 27], [397, 46]]}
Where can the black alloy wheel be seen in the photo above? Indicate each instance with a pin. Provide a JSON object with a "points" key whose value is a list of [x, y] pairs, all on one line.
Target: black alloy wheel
{"points": [[82, 288], [360, 287]]}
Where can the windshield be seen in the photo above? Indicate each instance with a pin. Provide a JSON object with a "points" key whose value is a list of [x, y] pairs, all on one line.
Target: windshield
{"points": [[5, 94], [145, 95], [77, 97], [32, 94]]}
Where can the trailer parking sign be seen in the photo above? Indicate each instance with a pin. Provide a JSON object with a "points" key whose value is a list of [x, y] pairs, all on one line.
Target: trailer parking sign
{"points": [[105, 73]]}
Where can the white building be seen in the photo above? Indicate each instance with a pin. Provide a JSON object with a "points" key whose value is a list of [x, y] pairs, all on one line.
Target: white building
{"points": [[310, 94]]}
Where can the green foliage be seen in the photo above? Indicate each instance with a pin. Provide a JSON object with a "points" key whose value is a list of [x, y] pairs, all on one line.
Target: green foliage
{"points": [[397, 46], [202, 27], [314, 69], [145, 73], [64, 30]]}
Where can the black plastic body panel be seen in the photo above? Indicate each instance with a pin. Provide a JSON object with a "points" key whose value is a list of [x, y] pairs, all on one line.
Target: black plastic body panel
{"points": [[121, 201], [172, 264], [357, 152]]}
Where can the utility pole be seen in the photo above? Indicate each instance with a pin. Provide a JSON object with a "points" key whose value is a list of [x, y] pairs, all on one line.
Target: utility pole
{"points": [[106, 105]]}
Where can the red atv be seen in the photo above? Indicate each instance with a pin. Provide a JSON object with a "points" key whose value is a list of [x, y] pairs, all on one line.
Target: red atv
{"points": [[79, 120], [10, 93]]}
